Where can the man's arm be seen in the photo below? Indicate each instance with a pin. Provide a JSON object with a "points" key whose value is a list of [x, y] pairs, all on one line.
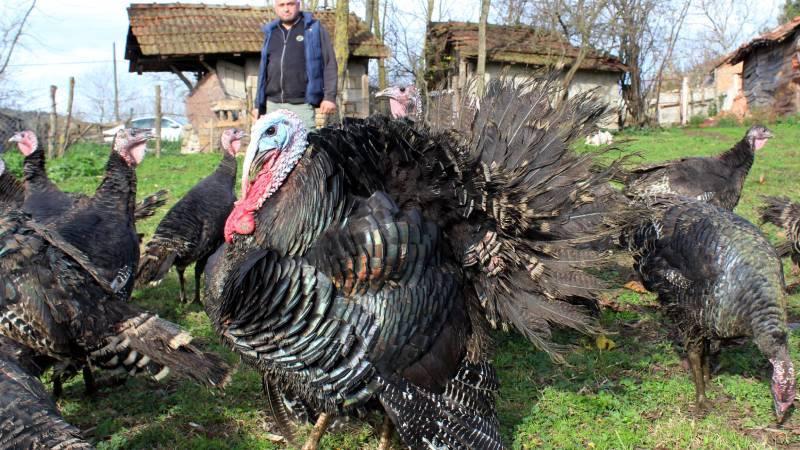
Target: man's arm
{"points": [[329, 73]]}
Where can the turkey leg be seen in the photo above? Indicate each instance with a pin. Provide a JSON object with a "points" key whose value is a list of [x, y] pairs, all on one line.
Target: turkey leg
{"points": [[182, 282], [199, 267], [387, 428], [312, 443], [696, 364]]}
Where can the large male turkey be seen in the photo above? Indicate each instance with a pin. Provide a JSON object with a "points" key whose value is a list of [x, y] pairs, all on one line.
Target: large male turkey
{"points": [[55, 300], [718, 278], [28, 416], [360, 259], [192, 229], [45, 201], [12, 192], [717, 179]]}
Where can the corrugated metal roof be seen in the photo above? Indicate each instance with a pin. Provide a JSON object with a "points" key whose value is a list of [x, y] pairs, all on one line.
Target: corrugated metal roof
{"points": [[167, 30], [514, 44]]}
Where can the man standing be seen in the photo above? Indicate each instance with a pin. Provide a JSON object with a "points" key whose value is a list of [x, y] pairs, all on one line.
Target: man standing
{"points": [[298, 67]]}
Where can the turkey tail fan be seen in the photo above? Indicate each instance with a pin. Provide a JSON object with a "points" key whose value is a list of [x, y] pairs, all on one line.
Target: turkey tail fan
{"points": [[157, 258], [145, 342], [150, 204], [29, 417], [545, 201], [466, 417]]}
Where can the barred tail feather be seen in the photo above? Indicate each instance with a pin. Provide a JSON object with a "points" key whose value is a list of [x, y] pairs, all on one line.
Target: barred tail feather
{"points": [[461, 417], [147, 343], [157, 258], [783, 213], [150, 204]]}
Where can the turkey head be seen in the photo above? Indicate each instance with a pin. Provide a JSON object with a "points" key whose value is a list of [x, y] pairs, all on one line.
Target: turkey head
{"points": [[783, 384], [131, 143], [231, 140], [758, 135], [278, 141], [399, 99], [26, 141]]}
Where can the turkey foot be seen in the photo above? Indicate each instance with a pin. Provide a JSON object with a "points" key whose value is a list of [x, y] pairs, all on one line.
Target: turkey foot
{"points": [[387, 428], [312, 443], [182, 282]]}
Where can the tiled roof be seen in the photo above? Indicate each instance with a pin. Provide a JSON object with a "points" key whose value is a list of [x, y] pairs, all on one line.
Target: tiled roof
{"points": [[513, 44], [769, 39], [168, 30]]}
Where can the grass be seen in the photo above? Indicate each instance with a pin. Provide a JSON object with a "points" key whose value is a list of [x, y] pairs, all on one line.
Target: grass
{"points": [[636, 395]]}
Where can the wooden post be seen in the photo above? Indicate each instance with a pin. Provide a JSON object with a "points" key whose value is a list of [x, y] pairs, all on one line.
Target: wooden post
{"points": [[365, 94], [158, 121], [51, 135], [685, 101], [116, 86], [65, 135]]}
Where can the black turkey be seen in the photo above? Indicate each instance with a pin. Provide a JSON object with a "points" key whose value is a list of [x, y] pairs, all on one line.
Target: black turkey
{"points": [[12, 192], [785, 214], [719, 279], [401, 99], [717, 179], [45, 201], [192, 229], [29, 417], [361, 259], [56, 301]]}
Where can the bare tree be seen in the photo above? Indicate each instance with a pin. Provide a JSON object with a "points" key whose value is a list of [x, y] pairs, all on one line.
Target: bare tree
{"points": [[341, 45], [11, 30], [480, 71]]}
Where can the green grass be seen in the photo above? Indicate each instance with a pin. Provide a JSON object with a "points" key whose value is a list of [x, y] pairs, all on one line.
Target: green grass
{"points": [[636, 395]]}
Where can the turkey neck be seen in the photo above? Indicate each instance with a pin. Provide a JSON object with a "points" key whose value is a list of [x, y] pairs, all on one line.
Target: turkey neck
{"points": [[311, 199], [227, 167], [117, 191], [740, 157], [34, 172]]}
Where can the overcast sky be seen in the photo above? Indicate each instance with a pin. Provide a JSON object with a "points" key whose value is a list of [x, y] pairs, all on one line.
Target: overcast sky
{"points": [[73, 38]]}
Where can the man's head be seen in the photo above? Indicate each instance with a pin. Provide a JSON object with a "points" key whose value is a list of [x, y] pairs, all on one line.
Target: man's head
{"points": [[287, 10]]}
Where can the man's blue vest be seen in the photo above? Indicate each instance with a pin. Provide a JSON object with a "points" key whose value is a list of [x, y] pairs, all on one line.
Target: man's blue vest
{"points": [[314, 67]]}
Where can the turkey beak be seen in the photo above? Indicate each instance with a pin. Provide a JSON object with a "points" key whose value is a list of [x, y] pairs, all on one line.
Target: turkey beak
{"points": [[386, 93], [17, 137], [249, 157]]}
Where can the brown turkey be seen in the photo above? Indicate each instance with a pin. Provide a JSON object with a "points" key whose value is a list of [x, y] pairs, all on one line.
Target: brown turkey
{"points": [[361, 259], [56, 301], [45, 201], [29, 417], [716, 179], [785, 214], [192, 229], [718, 278]]}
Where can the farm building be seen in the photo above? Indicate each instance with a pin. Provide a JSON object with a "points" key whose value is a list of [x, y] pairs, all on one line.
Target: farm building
{"points": [[771, 69], [452, 56], [221, 45], [727, 79]]}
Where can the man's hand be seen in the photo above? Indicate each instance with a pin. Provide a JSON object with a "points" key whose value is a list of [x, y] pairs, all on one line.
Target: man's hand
{"points": [[327, 107], [255, 113]]}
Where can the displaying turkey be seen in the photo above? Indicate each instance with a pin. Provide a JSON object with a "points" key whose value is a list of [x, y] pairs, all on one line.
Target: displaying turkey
{"points": [[783, 213], [717, 179], [192, 229], [45, 201], [28, 416], [401, 100], [361, 259], [718, 278], [56, 301], [12, 192]]}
